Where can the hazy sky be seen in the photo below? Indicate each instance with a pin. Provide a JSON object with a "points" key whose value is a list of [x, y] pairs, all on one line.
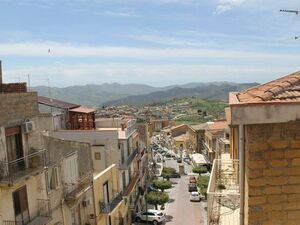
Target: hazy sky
{"points": [[156, 42]]}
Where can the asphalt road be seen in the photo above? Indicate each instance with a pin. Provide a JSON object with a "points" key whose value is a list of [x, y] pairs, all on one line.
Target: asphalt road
{"points": [[180, 211]]}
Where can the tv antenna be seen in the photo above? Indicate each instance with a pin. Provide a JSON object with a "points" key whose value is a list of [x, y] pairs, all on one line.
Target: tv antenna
{"points": [[290, 11]]}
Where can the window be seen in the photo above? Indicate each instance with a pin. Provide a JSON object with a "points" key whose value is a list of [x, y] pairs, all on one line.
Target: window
{"points": [[14, 144], [97, 155], [52, 176], [71, 170]]}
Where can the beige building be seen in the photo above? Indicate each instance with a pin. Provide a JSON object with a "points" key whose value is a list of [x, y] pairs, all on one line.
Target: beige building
{"points": [[110, 206], [214, 132], [113, 141], [23, 190], [259, 183], [69, 181]]}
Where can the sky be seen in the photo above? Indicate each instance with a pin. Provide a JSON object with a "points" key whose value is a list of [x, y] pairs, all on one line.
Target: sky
{"points": [[155, 42]]}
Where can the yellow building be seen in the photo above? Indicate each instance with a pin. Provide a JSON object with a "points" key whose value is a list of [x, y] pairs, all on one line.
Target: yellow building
{"points": [[110, 207]]}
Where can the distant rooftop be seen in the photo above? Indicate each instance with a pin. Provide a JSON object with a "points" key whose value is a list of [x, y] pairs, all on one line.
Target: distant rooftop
{"points": [[56, 103]]}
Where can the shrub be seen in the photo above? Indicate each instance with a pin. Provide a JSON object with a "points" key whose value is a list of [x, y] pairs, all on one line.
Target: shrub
{"points": [[200, 170], [162, 184]]}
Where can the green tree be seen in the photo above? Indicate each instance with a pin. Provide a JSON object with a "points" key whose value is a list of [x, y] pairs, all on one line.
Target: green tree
{"points": [[202, 183], [200, 170], [162, 184], [157, 198], [167, 172]]}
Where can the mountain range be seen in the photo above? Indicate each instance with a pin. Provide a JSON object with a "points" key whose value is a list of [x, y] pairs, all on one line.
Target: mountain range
{"points": [[139, 94]]}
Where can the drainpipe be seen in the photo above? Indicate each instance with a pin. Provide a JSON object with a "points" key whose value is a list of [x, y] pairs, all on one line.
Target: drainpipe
{"points": [[63, 211], [242, 171]]}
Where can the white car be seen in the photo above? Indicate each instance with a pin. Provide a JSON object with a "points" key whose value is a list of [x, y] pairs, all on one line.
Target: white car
{"points": [[152, 215], [195, 196]]}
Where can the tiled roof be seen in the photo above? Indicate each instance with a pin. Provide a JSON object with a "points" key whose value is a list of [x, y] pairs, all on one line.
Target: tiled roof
{"points": [[285, 89], [81, 109], [56, 103], [217, 125]]}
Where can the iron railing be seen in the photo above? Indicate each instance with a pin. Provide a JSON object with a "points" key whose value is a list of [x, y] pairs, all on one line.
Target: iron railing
{"points": [[128, 161], [73, 191], [107, 208], [223, 194], [21, 167], [43, 210]]}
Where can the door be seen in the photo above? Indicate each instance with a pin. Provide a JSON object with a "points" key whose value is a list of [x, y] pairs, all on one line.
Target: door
{"points": [[21, 206], [76, 215], [106, 192], [14, 148]]}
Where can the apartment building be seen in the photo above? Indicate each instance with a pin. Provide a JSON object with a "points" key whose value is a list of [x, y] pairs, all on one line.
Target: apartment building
{"points": [[260, 182], [69, 181], [214, 132], [200, 136], [23, 190], [110, 208], [113, 141]]}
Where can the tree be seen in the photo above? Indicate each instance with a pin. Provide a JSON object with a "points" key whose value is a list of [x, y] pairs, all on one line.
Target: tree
{"points": [[200, 170], [157, 198], [167, 172], [202, 183], [162, 184]]}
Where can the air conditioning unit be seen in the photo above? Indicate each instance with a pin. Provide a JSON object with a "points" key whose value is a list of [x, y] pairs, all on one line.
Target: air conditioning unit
{"points": [[86, 202], [28, 126]]}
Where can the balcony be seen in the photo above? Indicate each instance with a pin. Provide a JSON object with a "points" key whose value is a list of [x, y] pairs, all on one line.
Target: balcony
{"points": [[128, 161], [107, 208], [41, 217], [132, 184], [21, 168], [223, 194], [74, 191]]}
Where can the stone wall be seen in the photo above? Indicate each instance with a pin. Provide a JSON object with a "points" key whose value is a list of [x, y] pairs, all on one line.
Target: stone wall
{"points": [[17, 106], [58, 149], [13, 87], [273, 173]]}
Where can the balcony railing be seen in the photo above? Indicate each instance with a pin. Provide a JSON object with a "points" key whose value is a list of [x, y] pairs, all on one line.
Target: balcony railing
{"points": [[10, 171], [223, 194], [132, 183], [128, 161], [74, 191], [107, 208], [41, 217]]}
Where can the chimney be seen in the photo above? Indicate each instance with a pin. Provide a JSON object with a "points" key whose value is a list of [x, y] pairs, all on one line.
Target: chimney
{"points": [[0, 76]]}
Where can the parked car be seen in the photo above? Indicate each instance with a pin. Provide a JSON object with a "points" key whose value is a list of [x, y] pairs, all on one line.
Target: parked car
{"points": [[192, 179], [195, 196], [152, 189], [179, 160], [192, 187], [152, 215], [168, 155], [175, 175]]}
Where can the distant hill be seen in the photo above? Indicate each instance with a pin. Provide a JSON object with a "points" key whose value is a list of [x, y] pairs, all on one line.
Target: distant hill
{"points": [[209, 91], [137, 94], [95, 95]]}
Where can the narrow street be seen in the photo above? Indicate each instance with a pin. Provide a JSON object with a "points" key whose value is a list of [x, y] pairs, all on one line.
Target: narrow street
{"points": [[180, 210]]}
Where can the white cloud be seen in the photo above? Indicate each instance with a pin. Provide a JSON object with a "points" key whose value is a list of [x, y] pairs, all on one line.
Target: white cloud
{"points": [[225, 5], [60, 50]]}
